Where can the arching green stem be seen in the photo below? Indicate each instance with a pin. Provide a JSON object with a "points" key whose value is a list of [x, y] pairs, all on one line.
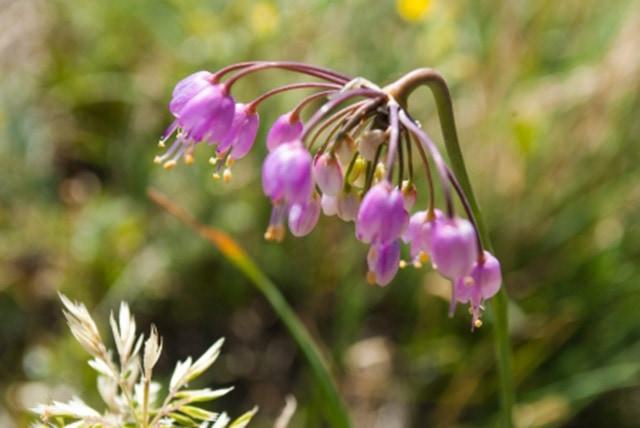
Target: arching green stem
{"points": [[400, 90]]}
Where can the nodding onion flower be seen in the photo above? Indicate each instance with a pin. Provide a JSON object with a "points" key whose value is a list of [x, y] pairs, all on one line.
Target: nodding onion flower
{"points": [[351, 157]]}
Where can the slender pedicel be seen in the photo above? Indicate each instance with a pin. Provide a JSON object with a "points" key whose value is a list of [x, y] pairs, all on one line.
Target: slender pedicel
{"points": [[286, 65], [305, 85], [334, 102], [308, 100], [435, 154], [330, 77]]}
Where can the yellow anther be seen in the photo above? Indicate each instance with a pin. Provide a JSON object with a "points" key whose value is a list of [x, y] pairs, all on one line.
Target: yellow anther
{"points": [[226, 175], [161, 144], [168, 165], [213, 160], [402, 264], [358, 167], [423, 257], [417, 264], [274, 233], [215, 176], [380, 171], [188, 158], [157, 159], [371, 278], [229, 162], [477, 323]]}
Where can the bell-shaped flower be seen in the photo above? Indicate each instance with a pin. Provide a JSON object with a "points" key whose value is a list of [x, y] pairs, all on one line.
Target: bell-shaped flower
{"points": [[329, 205], [207, 115], [327, 173], [303, 217], [482, 283], [419, 230], [453, 247], [348, 204], [286, 174], [242, 133], [187, 88], [285, 129], [383, 261], [381, 217]]}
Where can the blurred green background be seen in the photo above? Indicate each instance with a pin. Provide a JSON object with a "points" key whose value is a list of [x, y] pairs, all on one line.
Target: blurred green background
{"points": [[547, 97]]}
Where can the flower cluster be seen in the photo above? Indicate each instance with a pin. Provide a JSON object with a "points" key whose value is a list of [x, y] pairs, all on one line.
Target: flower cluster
{"points": [[352, 157]]}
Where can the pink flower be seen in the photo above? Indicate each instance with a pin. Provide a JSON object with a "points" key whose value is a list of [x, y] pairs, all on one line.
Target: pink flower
{"points": [[285, 129]]}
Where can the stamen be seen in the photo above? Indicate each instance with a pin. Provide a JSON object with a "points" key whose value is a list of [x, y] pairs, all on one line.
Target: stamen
{"points": [[477, 323], [188, 156], [168, 153], [168, 133], [169, 165], [380, 171], [219, 162], [276, 231], [227, 175], [402, 264], [371, 278]]}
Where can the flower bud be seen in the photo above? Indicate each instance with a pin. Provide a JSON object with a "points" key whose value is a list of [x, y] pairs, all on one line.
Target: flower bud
{"points": [[329, 205], [304, 217], [328, 174], [383, 261], [347, 204], [409, 195], [369, 143]]}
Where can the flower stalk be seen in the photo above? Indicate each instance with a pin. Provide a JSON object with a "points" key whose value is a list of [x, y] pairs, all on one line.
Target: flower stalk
{"points": [[401, 90]]}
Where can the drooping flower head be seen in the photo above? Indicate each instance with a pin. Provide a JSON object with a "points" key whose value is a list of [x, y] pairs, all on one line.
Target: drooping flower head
{"points": [[203, 111], [353, 157]]}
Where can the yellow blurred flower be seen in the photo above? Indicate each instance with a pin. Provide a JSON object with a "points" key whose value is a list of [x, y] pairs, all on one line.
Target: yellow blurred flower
{"points": [[264, 18], [413, 10]]}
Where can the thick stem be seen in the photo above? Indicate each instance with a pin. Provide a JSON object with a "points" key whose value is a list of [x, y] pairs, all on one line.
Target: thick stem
{"points": [[400, 90]]}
